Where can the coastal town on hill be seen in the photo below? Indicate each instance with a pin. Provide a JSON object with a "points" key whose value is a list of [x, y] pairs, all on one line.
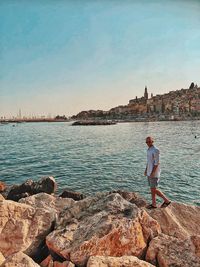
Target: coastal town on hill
{"points": [[181, 104]]}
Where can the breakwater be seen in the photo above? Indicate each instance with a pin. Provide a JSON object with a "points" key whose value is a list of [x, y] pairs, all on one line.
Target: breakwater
{"points": [[108, 229]]}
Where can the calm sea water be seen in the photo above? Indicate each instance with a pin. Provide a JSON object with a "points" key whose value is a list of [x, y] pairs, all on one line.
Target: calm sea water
{"points": [[101, 158]]}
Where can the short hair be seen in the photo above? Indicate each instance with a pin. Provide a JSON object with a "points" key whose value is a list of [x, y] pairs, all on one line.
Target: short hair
{"points": [[151, 138]]}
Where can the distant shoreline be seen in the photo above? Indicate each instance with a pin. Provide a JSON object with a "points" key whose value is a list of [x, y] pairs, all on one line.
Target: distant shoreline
{"points": [[31, 120], [95, 120]]}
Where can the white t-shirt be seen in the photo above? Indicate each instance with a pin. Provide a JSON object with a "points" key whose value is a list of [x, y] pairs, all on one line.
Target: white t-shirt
{"points": [[153, 157]]}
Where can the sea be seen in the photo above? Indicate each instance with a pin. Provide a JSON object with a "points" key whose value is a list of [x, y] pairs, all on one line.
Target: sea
{"points": [[91, 159]]}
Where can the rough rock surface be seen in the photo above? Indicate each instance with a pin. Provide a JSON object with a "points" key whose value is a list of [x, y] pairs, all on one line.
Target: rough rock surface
{"points": [[2, 259], [196, 242], [178, 219], [1, 197], [63, 264], [48, 262], [29, 188], [125, 261], [105, 225], [48, 202], [22, 227], [168, 251], [19, 259], [71, 194], [132, 197]]}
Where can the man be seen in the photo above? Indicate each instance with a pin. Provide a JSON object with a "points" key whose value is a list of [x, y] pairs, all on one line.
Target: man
{"points": [[152, 172]]}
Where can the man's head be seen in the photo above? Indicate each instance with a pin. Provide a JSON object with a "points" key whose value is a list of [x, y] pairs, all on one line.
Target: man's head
{"points": [[149, 141]]}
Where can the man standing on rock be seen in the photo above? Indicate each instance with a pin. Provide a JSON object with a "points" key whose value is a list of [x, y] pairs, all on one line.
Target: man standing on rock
{"points": [[152, 172]]}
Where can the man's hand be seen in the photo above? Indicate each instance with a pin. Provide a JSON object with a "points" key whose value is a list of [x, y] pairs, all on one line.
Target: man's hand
{"points": [[153, 171], [152, 175], [145, 173]]}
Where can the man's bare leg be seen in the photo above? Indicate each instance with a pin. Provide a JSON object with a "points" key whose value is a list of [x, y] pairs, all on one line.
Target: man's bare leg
{"points": [[153, 196], [160, 194]]}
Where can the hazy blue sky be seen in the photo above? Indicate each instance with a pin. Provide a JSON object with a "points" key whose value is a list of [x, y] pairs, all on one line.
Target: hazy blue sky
{"points": [[64, 56]]}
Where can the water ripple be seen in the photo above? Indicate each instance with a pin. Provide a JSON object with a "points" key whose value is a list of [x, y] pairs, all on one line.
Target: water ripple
{"points": [[92, 159]]}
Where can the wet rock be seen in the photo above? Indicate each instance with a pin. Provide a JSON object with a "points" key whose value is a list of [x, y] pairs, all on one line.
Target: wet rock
{"points": [[48, 202], [178, 219], [71, 194], [30, 187], [22, 227], [106, 225], [19, 259], [125, 261], [46, 185], [170, 251], [132, 197]]}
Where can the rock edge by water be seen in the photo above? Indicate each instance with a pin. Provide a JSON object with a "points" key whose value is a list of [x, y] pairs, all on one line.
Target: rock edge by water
{"points": [[110, 229]]}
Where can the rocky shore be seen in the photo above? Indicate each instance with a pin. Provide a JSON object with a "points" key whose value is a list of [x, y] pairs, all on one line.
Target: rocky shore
{"points": [[110, 229]]}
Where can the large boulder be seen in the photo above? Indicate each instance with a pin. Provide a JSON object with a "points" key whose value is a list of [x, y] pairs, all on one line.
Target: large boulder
{"points": [[178, 219], [22, 227], [125, 261], [104, 225], [30, 187], [19, 259], [168, 251], [48, 202]]}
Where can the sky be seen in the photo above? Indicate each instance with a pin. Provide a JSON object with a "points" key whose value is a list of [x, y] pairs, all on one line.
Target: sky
{"points": [[65, 56]]}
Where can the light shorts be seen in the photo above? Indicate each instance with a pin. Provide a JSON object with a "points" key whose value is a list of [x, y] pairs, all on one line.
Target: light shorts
{"points": [[153, 182]]}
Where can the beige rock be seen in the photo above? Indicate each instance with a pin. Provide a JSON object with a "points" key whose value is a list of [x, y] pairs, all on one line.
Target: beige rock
{"points": [[48, 202], [125, 261], [19, 259], [168, 251], [22, 227], [179, 220], [2, 259], [48, 262], [63, 264], [1, 197], [105, 225], [132, 197]]}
